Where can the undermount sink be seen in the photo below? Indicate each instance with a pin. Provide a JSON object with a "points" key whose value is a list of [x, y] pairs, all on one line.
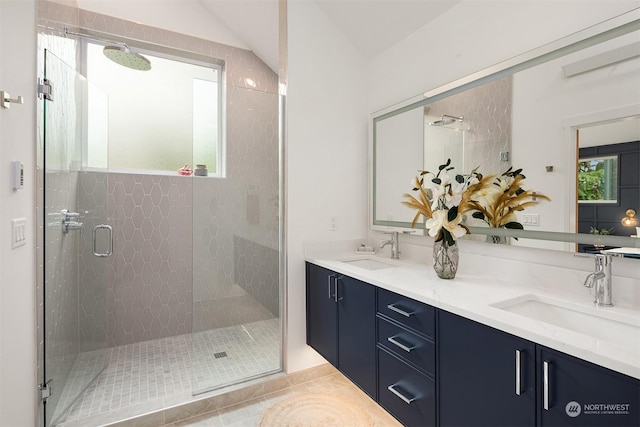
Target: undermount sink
{"points": [[370, 263], [602, 323]]}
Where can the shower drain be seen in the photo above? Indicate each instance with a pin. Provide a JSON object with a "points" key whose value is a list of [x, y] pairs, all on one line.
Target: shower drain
{"points": [[220, 355]]}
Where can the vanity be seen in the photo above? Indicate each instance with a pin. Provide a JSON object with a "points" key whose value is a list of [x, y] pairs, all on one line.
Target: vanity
{"points": [[510, 341], [473, 350]]}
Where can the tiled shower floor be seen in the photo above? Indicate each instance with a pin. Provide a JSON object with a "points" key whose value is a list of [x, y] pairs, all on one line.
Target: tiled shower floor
{"points": [[151, 370]]}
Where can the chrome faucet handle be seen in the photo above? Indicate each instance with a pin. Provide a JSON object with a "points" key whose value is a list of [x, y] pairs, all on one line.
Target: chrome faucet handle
{"points": [[70, 222]]}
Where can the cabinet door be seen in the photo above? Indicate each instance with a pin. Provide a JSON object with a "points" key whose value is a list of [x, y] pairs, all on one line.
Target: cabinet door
{"points": [[357, 332], [579, 393], [322, 326], [481, 379]]}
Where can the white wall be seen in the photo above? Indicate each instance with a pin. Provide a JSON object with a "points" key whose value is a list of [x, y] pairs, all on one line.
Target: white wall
{"points": [[17, 266], [473, 35], [326, 152]]}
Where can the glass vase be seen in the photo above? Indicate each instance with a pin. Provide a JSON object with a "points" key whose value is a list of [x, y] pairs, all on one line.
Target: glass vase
{"points": [[445, 259]]}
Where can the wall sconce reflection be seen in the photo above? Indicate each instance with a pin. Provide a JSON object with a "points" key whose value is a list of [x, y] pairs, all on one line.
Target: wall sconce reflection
{"points": [[629, 219]]}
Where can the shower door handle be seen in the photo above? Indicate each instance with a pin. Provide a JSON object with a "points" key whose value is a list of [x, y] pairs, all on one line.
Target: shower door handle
{"points": [[95, 232]]}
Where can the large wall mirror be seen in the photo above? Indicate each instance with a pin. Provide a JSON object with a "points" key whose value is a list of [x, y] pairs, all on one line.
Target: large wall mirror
{"points": [[554, 113]]}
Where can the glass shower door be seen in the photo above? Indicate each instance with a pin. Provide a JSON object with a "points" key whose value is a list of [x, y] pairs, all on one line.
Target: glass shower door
{"points": [[236, 250], [77, 242]]}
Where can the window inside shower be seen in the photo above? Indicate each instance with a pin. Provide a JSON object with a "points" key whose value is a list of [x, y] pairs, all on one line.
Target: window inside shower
{"points": [[159, 120]]}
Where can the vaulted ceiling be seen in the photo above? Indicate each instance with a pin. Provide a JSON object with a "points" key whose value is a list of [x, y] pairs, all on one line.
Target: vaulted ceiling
{"points": [[372, 26]]}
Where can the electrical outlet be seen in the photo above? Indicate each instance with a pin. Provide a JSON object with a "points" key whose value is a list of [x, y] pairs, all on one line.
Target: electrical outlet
{"points": [[333, 223], [531, 219]]}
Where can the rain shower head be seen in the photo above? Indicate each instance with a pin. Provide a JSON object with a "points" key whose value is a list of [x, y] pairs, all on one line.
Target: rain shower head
{"points": [[122, 55], [446, 120]]}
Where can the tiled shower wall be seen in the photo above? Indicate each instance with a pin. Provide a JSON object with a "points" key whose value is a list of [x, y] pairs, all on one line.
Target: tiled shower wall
{"points": [[186, 247], [487, 122], [148, 291]]}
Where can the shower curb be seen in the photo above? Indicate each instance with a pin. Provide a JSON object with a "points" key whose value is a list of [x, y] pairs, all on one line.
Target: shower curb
{"points": [[210, 401]]}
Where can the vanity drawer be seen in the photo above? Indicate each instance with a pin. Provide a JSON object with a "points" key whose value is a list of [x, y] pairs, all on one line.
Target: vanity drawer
{"points": [[407, 394], [407, 345], [407, 311]]}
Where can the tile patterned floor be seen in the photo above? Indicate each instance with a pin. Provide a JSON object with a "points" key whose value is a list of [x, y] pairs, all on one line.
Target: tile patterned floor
{"points": [[146, 371], [249, 413]]}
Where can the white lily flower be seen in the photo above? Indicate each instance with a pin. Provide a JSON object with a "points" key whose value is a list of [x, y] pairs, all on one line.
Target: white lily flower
{"points": [[439, 220], [435, 223]]}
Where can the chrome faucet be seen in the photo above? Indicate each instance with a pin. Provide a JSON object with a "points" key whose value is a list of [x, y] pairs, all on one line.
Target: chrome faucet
{"points": [[395, 253], [600, 280]]}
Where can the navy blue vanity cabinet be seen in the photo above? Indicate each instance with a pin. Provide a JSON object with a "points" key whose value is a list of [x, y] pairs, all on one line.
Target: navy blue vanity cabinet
{"points": [[486, 377], [322, 312], [406, 359], [341, 324], [573, 392]]}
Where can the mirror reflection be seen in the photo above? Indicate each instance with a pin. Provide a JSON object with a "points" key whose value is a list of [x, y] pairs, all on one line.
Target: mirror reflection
{"points": [[608, 180], [532, 120]]}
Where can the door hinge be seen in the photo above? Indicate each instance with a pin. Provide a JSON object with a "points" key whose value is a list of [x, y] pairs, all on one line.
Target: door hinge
{"points": [[46, 391], [45, 89]]}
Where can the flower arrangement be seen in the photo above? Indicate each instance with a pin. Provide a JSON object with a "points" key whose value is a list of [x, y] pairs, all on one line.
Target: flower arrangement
{"points": [[497, 204], [444, 198]]}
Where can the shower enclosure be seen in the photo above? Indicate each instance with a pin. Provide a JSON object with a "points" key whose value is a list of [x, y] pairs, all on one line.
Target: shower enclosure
{"points": [[156, 286]]}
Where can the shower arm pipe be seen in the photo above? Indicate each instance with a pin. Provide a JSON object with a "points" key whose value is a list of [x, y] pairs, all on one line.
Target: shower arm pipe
{"points": [[456, 118], [86, 36], [67, 33]]}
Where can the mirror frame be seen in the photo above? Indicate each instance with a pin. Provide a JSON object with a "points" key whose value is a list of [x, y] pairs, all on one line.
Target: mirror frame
{"points": [[607, 30]]}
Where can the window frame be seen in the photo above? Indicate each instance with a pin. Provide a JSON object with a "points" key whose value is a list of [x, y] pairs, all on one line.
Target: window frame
{"points": [[173, 55]]}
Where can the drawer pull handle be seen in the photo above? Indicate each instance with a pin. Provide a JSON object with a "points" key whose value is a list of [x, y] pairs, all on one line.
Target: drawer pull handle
{"points": [[545, 385], [518, 372], [393, 307], [393, 340], [404, 398]]}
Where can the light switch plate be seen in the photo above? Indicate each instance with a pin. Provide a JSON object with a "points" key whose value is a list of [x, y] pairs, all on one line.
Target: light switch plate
{"points": [[18, 232]]}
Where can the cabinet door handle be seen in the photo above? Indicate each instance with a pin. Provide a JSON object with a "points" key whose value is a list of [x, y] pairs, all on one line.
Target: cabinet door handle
{"points": [[329, 285], [545, 385], [393, 340], [404, 398], [335, 294], [393, 307], [518, 373]]}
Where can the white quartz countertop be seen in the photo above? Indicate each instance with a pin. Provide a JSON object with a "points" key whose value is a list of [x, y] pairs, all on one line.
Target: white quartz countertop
{"points": [[473, 295]]}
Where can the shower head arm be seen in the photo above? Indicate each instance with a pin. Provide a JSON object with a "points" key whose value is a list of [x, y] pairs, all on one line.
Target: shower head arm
{"points": [[459, 119], [118, 52], [68, 33]]}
